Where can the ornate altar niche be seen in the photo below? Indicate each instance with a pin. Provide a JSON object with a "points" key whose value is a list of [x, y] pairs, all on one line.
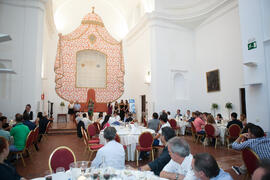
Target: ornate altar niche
{"points": [[89, 64]]}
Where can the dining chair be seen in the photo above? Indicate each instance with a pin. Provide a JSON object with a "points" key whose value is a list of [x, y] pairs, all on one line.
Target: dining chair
{"points": [[210, 133], [61, 157], [251, 160], [233, 133], [145, 144]]}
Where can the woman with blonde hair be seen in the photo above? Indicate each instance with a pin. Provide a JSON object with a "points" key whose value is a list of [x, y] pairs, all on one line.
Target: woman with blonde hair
{"points": [[210, 120]]}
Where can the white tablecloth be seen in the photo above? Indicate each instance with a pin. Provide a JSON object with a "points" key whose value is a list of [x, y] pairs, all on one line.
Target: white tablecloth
{"points": [[124, 174], [222, 128], [128, 137], [182, 125]]}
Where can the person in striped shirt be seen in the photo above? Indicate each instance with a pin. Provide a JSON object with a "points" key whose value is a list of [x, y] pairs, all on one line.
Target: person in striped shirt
{"points": [[256, 141]]}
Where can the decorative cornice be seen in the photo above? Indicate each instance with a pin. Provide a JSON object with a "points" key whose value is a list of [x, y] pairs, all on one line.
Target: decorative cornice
{"points": [[92, 22]]}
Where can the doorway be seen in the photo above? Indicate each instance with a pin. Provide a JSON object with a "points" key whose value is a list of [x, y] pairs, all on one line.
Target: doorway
{"points": [[243, 100]]}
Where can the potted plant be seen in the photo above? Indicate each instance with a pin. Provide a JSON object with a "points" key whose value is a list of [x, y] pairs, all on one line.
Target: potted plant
{"points": [[229, 107], [214, 107], [62, 105]]}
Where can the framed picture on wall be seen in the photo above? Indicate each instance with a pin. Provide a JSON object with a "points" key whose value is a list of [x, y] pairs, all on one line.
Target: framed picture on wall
{"points": [[213, 83]]}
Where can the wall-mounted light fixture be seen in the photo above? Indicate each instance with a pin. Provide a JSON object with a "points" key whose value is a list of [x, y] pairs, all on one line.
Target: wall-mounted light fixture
{"points": [[148, 77]]}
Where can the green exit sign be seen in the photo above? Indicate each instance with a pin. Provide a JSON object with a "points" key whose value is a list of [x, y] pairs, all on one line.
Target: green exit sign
{"points": [[252, 45]]}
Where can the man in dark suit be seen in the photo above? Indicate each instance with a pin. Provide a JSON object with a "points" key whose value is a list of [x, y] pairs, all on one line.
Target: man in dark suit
{"points": [[234, 121]]}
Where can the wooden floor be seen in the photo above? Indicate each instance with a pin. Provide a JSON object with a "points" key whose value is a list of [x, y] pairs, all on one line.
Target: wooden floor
{"points": [[37, 166]]}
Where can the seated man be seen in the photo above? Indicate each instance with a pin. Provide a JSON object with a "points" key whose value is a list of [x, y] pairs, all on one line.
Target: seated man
{"points": [[5, 125], [154, 123], [263, 171], [234, 121], [3, 132], [179, 166], [85, 120], [164, 123], [112, 154], [205, 167], [158, 164], [178, 115], [20, 133], [114, 118], [128, 118], [255, 141]]}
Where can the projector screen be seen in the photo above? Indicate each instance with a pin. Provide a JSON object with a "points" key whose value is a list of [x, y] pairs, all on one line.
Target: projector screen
{"points": [[91, 69]]}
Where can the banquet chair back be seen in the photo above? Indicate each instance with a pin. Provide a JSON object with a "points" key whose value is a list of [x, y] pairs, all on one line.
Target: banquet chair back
{"points": [[193, 131], [146, 140], [251, 160], [61, 157], [97, 127], [91, 130], [234, 131], [144, 122], [173, 123], [36, 134], [117, 138], [209, 130]]}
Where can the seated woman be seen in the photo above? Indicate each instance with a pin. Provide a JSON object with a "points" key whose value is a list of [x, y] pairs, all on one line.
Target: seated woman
{"points": [[105, 123], [6, 171], [219, 118], [211, 120]]}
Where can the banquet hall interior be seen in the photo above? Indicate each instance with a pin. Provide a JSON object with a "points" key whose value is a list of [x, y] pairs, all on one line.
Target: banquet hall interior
{"points": [[74, 59]]}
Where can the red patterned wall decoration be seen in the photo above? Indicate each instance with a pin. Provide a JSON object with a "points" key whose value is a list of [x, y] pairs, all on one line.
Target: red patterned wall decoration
{"points": [[92, 35]]}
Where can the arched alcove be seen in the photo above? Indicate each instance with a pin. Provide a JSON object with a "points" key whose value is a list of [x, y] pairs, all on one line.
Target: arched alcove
{"points": [[180, 86]]}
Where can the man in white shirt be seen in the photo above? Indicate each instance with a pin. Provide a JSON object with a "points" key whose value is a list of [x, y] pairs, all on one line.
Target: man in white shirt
{"points": [[112, 154], [164, 123], [114, 118], [178, 115], [180, 166], [85, 120]]}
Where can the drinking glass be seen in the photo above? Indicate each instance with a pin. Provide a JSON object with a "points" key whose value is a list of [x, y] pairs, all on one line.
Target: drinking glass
{"points": [[60, 169]]}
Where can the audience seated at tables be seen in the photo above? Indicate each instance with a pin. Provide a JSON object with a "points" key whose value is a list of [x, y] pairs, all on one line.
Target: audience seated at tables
{"points": [[42, 121], [234, 121], [192, 118], [100, 118], [128, 118], [29, 124], [211, 120], [3, 132], [164, 123], [20, 133], [199, 123], [112, 154], [180, 165], [6, 171], [5, 125], [85, 120], [263, 171], [255, 140], [158, 164], [205, 167], [187, 116], [219, 118], [169, 115], [105, 122], [153, 123], [114, 118], [178, 114], [243, 119], [28, 114], [78, 117]]}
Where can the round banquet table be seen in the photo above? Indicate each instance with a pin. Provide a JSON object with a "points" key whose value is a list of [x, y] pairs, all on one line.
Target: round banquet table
{"points": [[128, 137]]}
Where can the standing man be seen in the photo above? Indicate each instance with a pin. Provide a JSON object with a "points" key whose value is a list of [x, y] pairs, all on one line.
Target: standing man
{"points": [[28, 114], [77, 107]]}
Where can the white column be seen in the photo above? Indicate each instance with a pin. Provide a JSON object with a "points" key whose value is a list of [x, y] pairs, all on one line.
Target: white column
{"points": [[23, 21], [255, 21]]}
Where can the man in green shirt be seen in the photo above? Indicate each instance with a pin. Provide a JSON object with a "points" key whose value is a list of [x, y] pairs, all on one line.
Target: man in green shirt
{"points": [[20, 133]]}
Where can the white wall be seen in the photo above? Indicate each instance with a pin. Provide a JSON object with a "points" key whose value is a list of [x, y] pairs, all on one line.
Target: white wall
{"points": [[23, 20], [218, 46], [137, 57], [255, 25]]}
